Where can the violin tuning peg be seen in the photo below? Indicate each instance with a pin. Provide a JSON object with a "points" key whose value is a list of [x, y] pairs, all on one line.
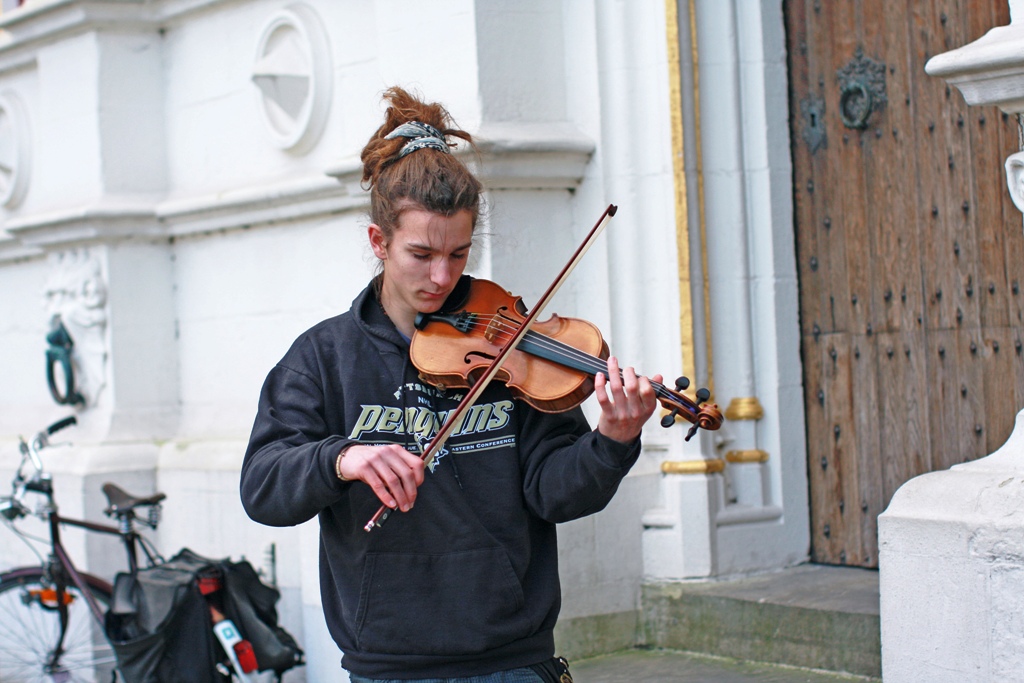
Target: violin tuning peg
{"points": [[682, 383], [669, 419], [690, 433], [702, 395]]}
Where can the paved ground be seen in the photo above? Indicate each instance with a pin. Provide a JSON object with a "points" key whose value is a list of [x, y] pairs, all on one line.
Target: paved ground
{"points": [[660, 666]]}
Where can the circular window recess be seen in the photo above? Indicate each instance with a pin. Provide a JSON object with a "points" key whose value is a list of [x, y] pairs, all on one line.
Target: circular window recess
{"points": [[15, 149], [293, 75]]}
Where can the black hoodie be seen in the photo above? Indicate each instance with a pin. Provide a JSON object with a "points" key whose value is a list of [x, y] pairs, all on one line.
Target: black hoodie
{"points": [[465, 583]]}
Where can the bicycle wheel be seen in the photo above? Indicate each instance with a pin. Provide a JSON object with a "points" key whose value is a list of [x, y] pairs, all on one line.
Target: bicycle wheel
{"points": [[30, 628]]}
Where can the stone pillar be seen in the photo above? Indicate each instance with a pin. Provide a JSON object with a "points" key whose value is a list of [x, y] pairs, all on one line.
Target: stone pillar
{"points": [[730, 502], [728, 239], [951, 543], [83, 195]]}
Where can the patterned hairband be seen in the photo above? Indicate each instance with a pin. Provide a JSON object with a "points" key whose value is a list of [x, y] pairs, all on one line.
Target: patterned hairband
{"points": [[420, 135]]}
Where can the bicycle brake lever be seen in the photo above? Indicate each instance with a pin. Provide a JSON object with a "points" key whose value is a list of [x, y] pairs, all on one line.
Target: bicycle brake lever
{"points": [[11, 509]]}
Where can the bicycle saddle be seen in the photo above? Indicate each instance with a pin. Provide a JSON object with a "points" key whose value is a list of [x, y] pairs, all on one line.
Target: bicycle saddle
{"points": [[122, 501]]}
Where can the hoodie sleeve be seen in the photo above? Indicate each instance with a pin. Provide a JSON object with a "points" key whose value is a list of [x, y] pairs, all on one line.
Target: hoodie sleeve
{"points": [[288, 473], [570, 471]]}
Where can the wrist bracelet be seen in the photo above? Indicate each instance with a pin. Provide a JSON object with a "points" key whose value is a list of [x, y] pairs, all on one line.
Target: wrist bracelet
{"points": [[337, 462]]}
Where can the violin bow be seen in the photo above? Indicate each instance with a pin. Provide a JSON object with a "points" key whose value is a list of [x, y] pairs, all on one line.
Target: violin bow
{"points": [[474, 393]]}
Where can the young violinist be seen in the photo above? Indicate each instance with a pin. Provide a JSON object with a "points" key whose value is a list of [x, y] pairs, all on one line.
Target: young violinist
{"points": [[462, 582]]}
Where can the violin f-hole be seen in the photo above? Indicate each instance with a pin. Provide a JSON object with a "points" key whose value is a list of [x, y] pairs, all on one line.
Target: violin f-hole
{"points": [[469, 357]]}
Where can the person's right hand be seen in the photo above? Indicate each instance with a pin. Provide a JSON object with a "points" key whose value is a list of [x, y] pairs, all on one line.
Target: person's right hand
{"points": [[392, 472]]}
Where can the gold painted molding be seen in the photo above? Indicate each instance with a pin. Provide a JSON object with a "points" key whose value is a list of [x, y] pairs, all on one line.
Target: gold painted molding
{"points": [[687, 327], [751, 455], [693, 466], [686, 330], [702, 223], [748, 408]]}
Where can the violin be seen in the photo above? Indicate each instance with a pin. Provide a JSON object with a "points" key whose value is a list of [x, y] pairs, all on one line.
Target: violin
{"points": [[552, 368]]}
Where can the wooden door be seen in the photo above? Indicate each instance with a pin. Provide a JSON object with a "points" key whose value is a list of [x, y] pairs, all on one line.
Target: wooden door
{"points": [[911, 257]]}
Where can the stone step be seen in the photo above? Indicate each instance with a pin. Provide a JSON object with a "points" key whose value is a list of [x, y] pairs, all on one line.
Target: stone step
{"points": [[813, 616], [663, 666]]}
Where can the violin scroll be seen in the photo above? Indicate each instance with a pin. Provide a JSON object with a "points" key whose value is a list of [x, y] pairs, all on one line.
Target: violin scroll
{"points": [[678, 404]]}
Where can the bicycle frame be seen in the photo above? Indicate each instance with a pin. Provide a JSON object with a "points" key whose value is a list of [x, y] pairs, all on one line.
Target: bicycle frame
{"points": [[61, 568], [59, 554], [58, 565]]}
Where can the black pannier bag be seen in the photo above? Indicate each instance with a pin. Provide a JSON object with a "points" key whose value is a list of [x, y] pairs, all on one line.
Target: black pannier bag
{"points": [[160, 626], [252, 606]]}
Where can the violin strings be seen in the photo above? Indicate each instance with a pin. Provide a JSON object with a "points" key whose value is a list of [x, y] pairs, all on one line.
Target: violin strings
{"points": [[594, 363]]}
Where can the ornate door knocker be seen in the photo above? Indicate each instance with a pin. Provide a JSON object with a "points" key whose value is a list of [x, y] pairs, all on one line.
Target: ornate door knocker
{"points": [[58, 355], [861, 90]]}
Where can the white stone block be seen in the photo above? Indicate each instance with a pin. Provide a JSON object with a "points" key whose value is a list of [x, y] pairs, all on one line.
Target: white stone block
{"points": [[951, 561], [679, 541]]}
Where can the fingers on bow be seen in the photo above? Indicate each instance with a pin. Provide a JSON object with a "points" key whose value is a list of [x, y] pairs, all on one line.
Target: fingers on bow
{"points": [[393, 473]]}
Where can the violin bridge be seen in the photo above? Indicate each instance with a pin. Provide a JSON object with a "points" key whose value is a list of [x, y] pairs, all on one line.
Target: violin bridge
{"points": [[495, 328]]}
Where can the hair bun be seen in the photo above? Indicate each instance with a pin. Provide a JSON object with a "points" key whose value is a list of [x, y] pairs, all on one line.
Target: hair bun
{"points": [[408, 163], [384, 148]]}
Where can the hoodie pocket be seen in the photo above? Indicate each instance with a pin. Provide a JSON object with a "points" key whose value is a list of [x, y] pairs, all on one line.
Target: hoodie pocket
{"points": [[451, 604]]}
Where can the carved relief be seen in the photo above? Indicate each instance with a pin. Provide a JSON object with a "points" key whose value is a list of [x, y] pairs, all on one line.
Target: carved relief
{"points": [[1015, 178], [77, 292], [15, 149], [293, 74]]}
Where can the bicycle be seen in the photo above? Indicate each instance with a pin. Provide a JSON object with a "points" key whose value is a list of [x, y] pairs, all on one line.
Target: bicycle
{"points": [[52, 615]]}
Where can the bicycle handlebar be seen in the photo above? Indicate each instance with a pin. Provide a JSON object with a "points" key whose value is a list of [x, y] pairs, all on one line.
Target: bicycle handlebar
{"points": [[12, 506], [61, 424], [42, 440]]}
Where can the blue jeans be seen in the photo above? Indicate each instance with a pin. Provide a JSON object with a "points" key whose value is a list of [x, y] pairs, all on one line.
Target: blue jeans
{"points": [[524, 675]]}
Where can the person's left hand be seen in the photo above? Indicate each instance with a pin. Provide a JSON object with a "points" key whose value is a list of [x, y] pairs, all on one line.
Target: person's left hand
{"points": [[626, 401]]}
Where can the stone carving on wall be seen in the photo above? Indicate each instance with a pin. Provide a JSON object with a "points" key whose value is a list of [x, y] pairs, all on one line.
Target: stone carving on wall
{"points": [[293, 75], [1015, 178], [77, 291], [15, 149]]}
